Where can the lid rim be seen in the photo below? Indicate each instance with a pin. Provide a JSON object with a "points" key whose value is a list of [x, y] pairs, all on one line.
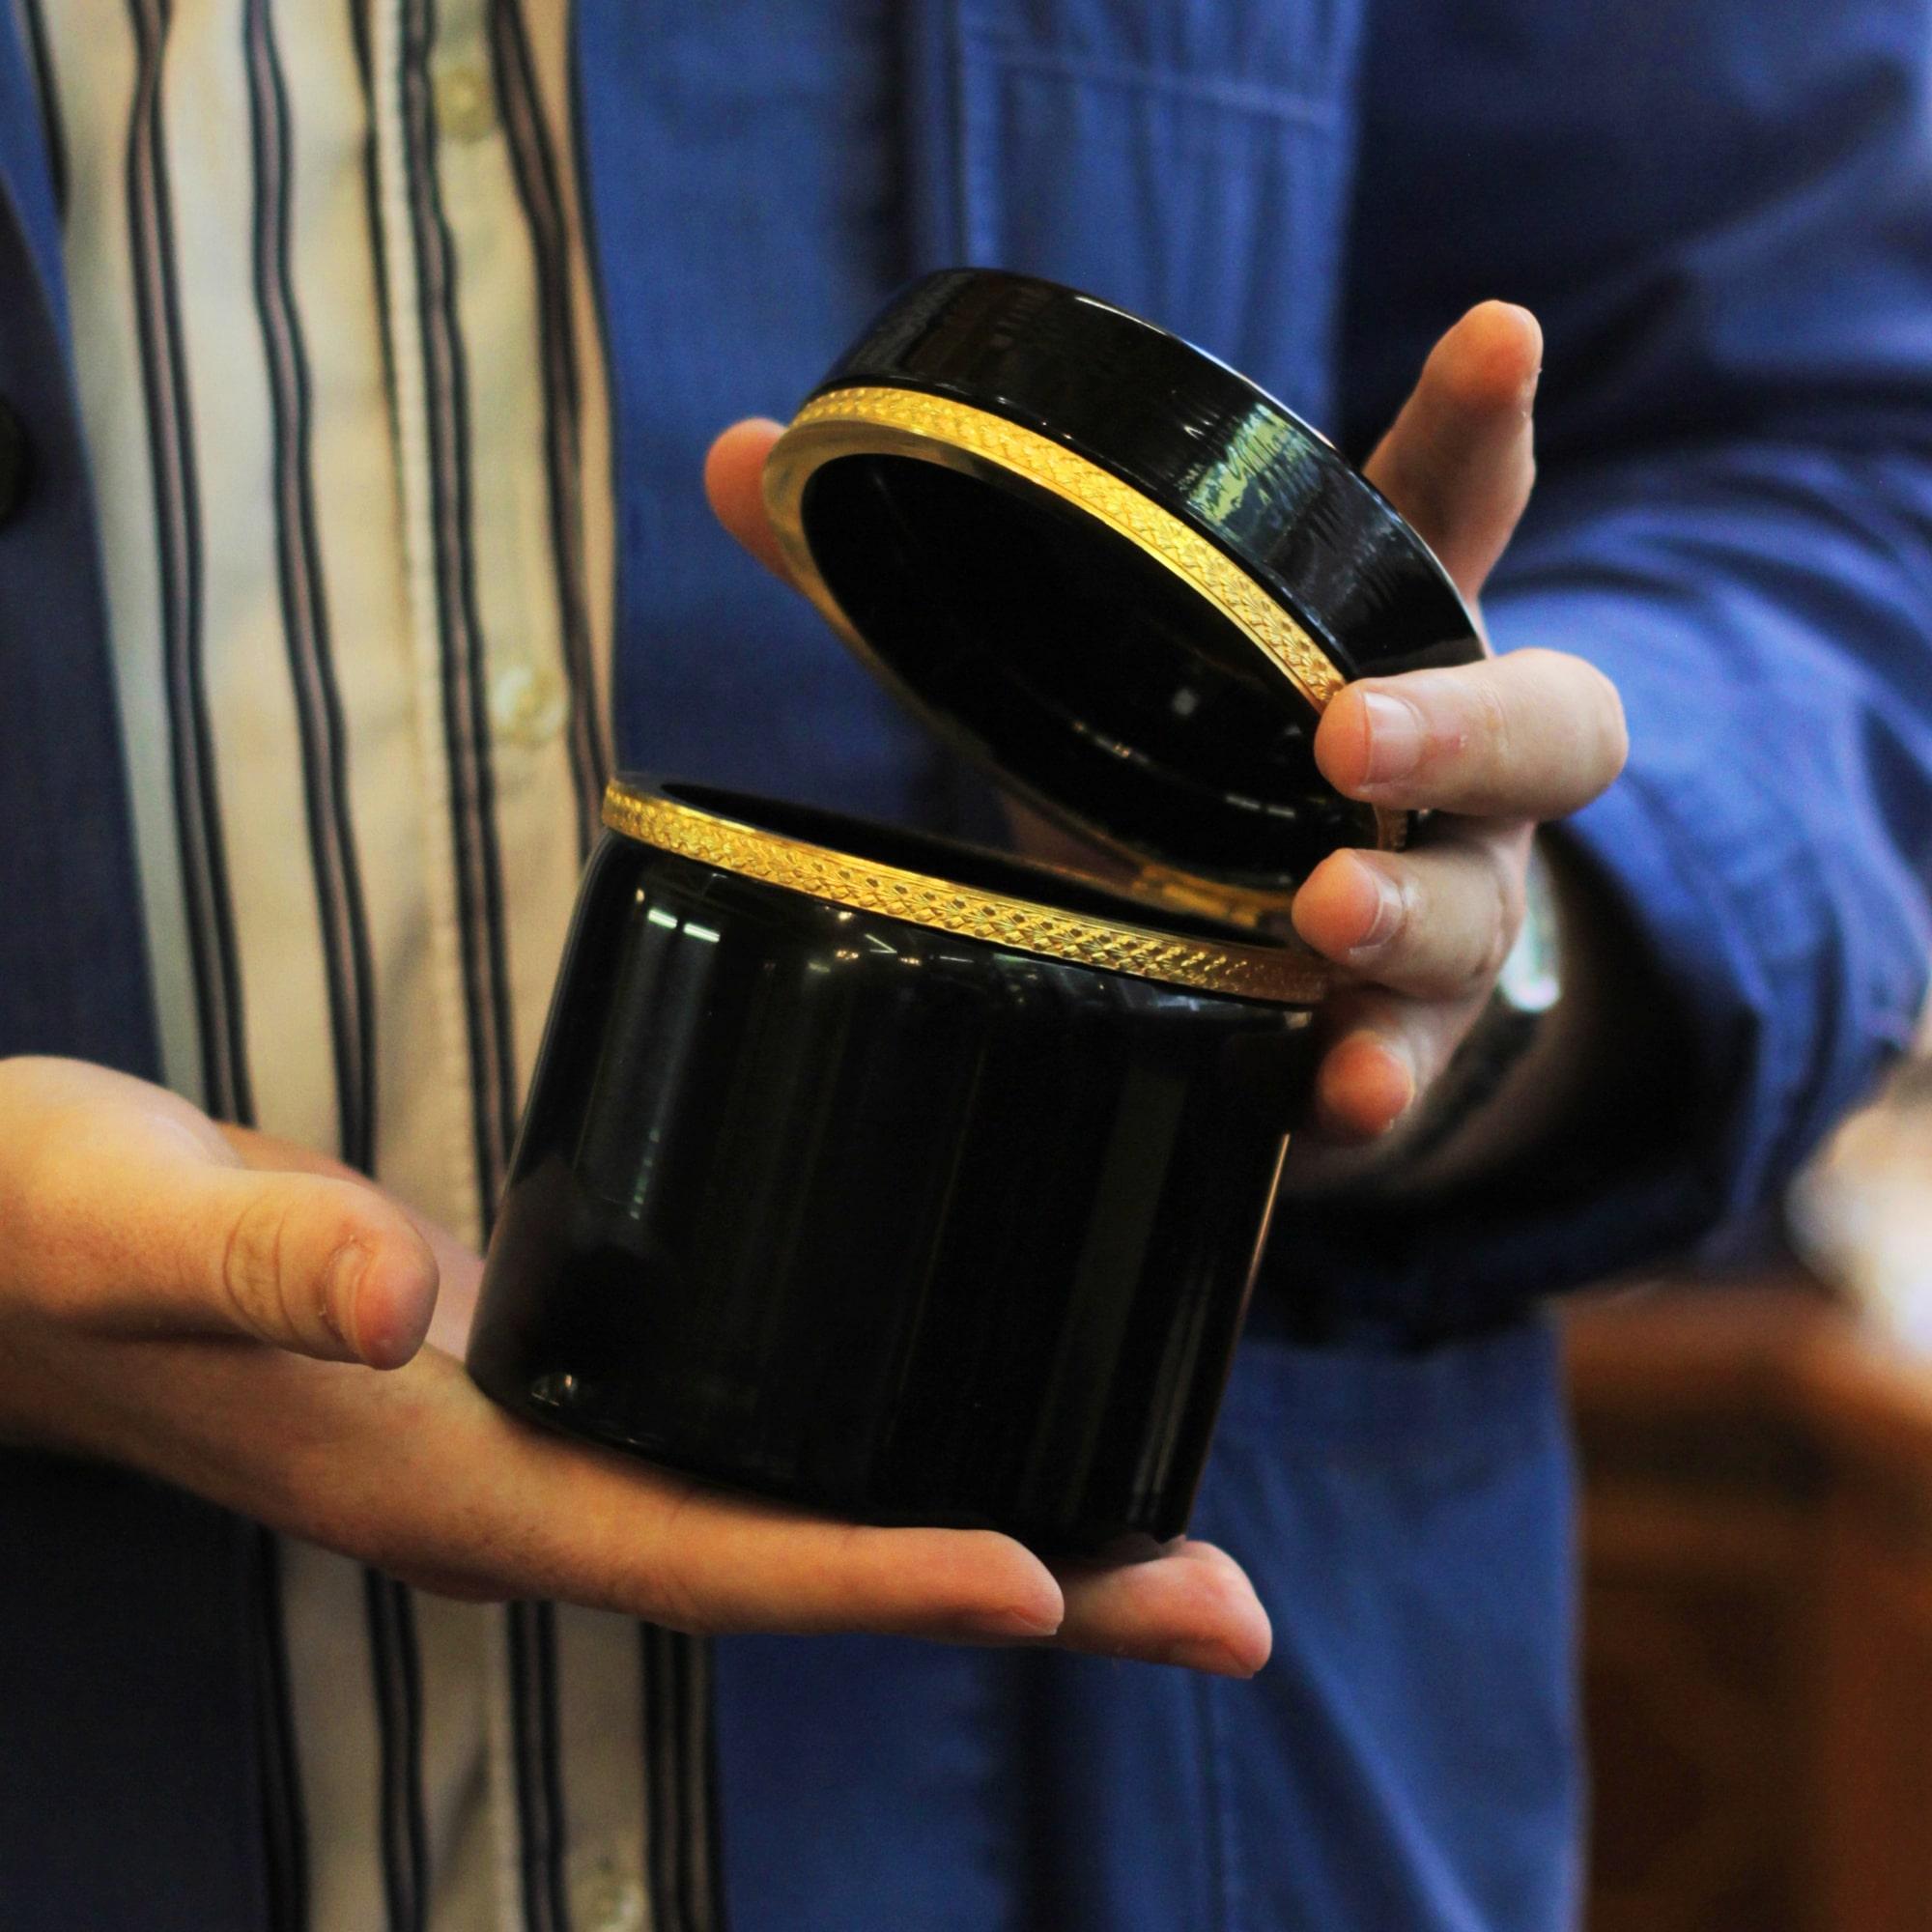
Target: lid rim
{"points": [[1129, 477], [908, 347], [944, 428], [1060, 466]]}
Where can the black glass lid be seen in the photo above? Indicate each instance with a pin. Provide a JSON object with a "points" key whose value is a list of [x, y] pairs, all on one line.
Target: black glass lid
{"points": [[1113, 569]]}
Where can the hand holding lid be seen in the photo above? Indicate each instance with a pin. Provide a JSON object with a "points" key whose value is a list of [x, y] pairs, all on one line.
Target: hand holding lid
{"points": [[1145, 615]]}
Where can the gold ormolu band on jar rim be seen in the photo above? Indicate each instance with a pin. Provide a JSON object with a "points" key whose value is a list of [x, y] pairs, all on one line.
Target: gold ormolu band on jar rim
{"points": [[875, 419], [1278, 973]]}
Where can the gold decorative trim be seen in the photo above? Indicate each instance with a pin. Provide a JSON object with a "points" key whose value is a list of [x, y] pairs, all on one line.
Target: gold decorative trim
{"points": [[909, 422], [1275, 973], [1055, 467]]}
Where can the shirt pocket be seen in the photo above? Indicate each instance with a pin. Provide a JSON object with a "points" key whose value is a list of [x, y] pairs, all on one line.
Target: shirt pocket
{"points": [[1187, 160]]}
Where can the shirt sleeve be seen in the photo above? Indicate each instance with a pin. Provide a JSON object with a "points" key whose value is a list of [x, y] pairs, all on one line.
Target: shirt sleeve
{"points": [[1724, 220]]}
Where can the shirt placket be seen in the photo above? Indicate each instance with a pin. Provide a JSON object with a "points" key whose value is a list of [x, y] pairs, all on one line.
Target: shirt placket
{"points": [[406, 54], [493, 710], [392, 26]]}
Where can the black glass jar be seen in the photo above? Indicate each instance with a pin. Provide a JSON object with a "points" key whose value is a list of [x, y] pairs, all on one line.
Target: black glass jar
{"points": [[918, 1182], [911, 1221]]}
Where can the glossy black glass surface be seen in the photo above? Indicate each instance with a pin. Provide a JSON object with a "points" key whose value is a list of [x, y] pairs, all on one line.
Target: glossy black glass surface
{"points": [[900, 1224], [1069, 663], [1058, 651]]}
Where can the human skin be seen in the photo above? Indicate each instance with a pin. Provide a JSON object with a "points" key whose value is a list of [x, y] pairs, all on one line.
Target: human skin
{"points": [[251, 1321]]}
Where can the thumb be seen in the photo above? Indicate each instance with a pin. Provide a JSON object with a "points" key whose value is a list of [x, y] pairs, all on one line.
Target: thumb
{"points": [[312, 1264], [124, 1207], [1459, 460]]}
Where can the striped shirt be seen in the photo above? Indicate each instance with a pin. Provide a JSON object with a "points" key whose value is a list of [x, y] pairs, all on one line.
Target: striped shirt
{"points": [[345, 406]]}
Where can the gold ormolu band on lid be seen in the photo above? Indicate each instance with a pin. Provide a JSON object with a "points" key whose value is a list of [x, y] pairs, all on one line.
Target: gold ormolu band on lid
{"points": [[877, 419], [1099, 493], [1249, 971]]}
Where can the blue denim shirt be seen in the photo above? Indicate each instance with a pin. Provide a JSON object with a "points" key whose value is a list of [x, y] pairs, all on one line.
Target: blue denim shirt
{"points": [[1722, 211]]}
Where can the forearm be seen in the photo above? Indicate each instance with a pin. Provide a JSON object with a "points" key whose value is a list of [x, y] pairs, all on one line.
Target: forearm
{"points": [[1768, 611]]}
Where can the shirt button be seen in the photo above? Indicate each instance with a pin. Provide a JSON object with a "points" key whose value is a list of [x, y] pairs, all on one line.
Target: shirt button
{"points": [[15, 463], [464, 108], [527, 703], [611, 1903]]}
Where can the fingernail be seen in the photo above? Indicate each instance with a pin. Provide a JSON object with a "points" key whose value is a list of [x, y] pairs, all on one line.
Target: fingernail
{"points": [[1403, 1097], [1346, 1126], [1015, 1623], [1395, 737], [1408, 1100], [1215, 1658], [1386, 917]]}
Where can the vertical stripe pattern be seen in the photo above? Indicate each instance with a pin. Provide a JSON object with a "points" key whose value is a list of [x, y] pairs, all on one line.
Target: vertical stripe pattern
{"points": [[371, 195], [396, 1682], [537, 185], [532, 1640], [39, 52], [283, 1827], [343, 925], [466, 722], [480, 871], [344, 395], [217, 978], [681, 1843]]}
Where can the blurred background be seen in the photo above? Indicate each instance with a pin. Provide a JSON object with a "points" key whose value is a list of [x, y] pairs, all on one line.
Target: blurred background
{"points": [[1757, 1552]]}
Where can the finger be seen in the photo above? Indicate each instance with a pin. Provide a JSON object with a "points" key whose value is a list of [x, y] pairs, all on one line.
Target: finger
{"points": [[326, 1267], [733, 470], [1435, 924], [1458, 461], [124, 1206], [724, 1562], [703, 1559], [1387, 1051], [418, 1474], [1192, 1606], [459, 1268], [1533, 734]]}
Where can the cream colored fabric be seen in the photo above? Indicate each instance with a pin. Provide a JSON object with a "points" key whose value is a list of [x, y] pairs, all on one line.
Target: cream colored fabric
{"points": [[305, 593]]}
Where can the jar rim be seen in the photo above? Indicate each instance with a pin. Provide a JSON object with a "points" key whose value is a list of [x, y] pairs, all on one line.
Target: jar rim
{"points": [[724, 830]]}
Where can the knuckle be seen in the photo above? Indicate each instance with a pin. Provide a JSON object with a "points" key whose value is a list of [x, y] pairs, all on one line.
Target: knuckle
{"points": [[1502, 918], [1491, 720], [669, 1582], [251, 1278], [36, 1188]]}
